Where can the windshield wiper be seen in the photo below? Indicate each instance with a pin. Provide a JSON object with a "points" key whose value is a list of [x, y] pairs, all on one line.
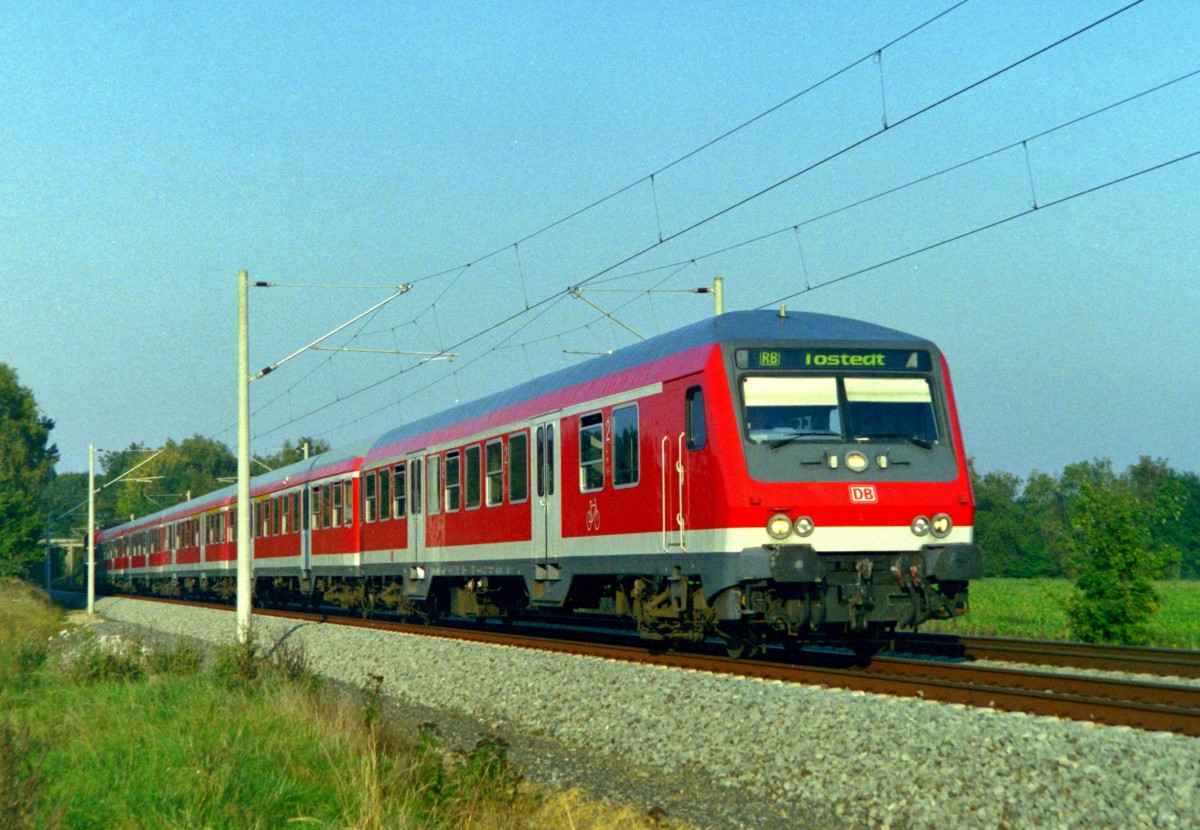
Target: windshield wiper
{"points": [[901, 436], [793, 438]]}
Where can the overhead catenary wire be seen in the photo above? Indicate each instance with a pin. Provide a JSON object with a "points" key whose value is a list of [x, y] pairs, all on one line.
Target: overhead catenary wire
{"points": [[898, 188], [731, 207], [1019, 214]]}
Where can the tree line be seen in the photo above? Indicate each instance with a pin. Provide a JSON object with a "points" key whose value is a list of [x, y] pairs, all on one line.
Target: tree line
{"points": [[145, 480], [1033, 527]]}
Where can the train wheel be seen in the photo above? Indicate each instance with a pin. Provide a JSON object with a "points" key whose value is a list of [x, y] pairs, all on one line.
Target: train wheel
{"points": [[366, 605], [739, 642]]}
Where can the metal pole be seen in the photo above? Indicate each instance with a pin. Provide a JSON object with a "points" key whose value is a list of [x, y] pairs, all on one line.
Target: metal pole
{"points": [[244, 576], [91, 530], [718, 296], [48, 557]]}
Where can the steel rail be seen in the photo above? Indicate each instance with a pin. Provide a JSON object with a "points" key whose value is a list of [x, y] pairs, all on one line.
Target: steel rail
{"points": [[1160, 661]]}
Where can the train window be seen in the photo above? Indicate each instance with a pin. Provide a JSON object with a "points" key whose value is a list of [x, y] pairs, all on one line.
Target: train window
{"points": [[540, 466], [494, 462], [326, 505], [400, 476], [277, 525], [697, 429], [472, 492], [591, 452], [297, 519], [416, 487], [791, 408], [625, 446], [348, 515], [385, 494], [518, 467], [336, 518], [368, 485], [433, 484], [883, 408], [453, 481]]}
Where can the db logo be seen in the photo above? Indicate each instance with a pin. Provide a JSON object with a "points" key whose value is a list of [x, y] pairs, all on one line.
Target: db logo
{"points": [[862, 493]]}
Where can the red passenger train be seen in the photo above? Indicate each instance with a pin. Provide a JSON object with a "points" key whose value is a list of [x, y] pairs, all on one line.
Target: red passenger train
{"points": [[756, 476]]}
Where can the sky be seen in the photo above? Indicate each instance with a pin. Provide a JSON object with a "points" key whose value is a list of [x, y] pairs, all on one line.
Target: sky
{"points": [[151, 150]]}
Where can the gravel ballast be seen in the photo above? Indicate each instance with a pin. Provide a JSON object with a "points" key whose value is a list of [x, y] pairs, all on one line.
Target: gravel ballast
{"points": [[728, 752]]}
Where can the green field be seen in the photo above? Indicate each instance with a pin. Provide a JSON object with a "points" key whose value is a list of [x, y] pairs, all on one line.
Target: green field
{"points": [[1037, 608]]}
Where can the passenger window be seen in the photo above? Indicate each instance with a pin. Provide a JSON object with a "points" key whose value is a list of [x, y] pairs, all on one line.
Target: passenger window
{"points": [[696, 428], [336, 518], [348, 516], [625, 446], [453, 481], [472, 483], [518, 467], [368, 512], [399, 508], [494, 461], [385, 494], [591, 452]]}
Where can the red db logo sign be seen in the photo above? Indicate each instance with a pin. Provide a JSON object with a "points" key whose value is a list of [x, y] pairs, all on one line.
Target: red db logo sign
{"points": [[862, 493]]}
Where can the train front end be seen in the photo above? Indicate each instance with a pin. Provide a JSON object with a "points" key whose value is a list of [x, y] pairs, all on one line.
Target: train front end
{"points": [[856, 489]]}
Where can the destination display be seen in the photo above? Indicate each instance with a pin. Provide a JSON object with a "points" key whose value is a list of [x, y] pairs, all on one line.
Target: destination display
{"points": [[875, 360]]}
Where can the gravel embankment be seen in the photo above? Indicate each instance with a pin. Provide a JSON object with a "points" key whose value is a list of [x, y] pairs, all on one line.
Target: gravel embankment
{"points": [[726, 752]]}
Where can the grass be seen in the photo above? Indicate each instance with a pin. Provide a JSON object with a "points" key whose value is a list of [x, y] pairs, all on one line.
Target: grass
{"points": [[127, 736], [1036, 608]]}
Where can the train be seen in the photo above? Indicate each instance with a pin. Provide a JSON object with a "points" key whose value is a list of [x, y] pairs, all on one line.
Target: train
{"points": [[754, 478]]}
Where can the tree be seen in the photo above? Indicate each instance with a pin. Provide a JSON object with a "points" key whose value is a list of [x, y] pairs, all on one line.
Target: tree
{"points": [[26, 469], [291, 452], [182, 469], [1109, 545]]}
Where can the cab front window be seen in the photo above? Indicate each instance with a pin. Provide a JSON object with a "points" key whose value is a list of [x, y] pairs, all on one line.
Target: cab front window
{"points": [[842, 408]]}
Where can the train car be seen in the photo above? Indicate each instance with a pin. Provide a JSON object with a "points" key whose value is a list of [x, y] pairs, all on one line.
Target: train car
{"points": [[755, 476]]}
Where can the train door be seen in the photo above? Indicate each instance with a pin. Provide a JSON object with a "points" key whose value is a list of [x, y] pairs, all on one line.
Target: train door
{"points": [[547, 525], [416, 511]]}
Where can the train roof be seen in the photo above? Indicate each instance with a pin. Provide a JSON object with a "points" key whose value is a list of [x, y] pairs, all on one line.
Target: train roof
{"points": [[743, 327], [735, 326]]}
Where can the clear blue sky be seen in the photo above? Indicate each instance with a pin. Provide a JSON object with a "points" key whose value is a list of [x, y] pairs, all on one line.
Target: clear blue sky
{"points": [[150, 150]]}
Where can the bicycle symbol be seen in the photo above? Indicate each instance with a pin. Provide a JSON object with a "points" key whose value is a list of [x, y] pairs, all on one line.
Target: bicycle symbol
{"points": [[593, 516]]}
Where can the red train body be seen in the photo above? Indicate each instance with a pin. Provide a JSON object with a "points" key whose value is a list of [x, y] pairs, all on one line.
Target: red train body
{"points": [[755, 476]]}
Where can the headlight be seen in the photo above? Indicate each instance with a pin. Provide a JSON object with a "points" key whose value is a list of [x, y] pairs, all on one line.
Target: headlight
{"points": [[779, 526], [941, 526], [804, 526], [856, 461], [919, 526]]}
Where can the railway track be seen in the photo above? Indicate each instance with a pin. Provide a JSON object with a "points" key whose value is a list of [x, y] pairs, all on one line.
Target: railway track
{"points": [[1150, 705], [1160, 661]]}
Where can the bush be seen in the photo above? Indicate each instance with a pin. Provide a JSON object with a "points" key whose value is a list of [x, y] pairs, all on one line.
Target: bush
{"points": [[1110, 551]]}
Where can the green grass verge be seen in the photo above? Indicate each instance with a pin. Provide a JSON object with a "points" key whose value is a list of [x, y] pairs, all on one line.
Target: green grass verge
{"points": [[119, 735], [1036, 608]]}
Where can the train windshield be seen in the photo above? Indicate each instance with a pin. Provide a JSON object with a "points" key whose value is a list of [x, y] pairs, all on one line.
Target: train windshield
{"points": [[838, 408]]}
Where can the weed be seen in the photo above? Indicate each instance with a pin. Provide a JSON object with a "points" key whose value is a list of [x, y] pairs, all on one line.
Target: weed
{"points": [[109, 659], [19, 662], [179, 661], [20, 779], [372, 690]]}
